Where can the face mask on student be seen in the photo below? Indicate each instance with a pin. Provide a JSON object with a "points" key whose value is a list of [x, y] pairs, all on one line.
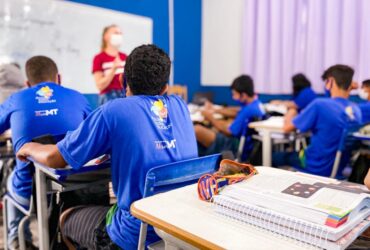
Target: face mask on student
{"points": [[116, 40], [363, 94], [327, 91]]}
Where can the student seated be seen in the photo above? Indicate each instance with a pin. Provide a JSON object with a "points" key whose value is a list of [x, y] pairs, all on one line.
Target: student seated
{"points": [[44, 107], [302, 93], [140, 132], [226, 137], [325, 118], [11, 80], [364, 94]]}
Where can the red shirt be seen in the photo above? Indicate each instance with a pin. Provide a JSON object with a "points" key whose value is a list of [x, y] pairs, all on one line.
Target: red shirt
{"points": [[104, 62]]}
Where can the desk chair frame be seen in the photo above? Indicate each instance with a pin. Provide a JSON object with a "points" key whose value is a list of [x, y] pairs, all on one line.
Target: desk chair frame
{"points": [[247, 131], [174, 175], [180, 90], [28, 213], [346, 146]]}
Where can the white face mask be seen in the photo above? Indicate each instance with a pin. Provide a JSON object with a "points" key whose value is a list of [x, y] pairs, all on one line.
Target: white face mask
{"points": [[363, 94], [116, 40]]}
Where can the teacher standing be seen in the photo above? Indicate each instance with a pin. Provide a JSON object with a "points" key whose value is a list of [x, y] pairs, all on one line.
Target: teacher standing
{"points": [[109, 64]]}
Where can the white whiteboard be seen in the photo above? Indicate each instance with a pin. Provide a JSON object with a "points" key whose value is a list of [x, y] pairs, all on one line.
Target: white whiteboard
{"points": [[221, 41], [69, 33]]}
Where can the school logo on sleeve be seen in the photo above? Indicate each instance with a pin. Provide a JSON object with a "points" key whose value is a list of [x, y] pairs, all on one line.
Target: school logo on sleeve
{"points": [[45, 94], [159, 109], [350, 113]]}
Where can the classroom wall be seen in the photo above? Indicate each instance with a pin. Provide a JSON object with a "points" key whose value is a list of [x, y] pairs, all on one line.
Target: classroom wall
{"points": [[187, 38], [188, 26]]}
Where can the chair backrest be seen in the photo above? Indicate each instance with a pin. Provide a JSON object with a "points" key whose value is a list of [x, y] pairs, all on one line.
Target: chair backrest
{"points": [[199, 98], [247, 132], [179, 90], [177, 174], [346, 145]]}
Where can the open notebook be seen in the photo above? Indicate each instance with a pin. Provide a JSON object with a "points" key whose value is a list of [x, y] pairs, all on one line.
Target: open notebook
{"points": [[305, 207]]}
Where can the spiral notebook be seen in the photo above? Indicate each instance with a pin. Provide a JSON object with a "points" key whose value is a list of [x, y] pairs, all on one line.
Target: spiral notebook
{"points": [[316, 210]]}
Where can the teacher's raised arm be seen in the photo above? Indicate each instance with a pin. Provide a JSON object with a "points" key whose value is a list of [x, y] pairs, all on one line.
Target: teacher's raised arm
{"points": [[109, 64]]}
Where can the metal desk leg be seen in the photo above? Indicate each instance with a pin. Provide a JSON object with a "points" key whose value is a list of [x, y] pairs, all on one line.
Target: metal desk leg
{"points": [[266, 148], [42, 210]]}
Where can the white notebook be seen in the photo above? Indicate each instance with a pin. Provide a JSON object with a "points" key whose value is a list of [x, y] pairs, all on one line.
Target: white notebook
{"points": [[317, 210], [288, 226]]}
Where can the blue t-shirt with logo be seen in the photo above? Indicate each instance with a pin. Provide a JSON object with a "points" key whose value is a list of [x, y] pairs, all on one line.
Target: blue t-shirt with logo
{"points": [[326, 118], [46, 108], [365, 110], [304, 97], [140, 132]]}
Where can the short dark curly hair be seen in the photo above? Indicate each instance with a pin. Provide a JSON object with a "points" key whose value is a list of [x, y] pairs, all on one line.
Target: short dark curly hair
{"points": [[147, 70]]}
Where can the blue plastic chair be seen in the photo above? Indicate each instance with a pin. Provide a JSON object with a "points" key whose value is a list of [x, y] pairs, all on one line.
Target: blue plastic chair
{"points": [[240, 154], [347, 144], [174, 175]]}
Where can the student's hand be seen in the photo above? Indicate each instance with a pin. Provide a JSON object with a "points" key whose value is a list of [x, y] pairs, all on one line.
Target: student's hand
{"points": [[354, 85], [290, 114], [208, 114], [23, 152], [208, 105]]}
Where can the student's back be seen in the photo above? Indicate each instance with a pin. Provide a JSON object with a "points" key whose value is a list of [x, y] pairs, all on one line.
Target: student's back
{"points": [[326, 118], [46, 108], [365, 109], [140, 132], [304, 98]]}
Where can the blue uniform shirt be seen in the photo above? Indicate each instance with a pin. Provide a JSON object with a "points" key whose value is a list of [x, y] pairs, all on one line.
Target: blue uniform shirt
{"points": [[326, 118], [239, 127], [365, 110], [304, 97], [246, 114], [140, 132], [46, 108]]}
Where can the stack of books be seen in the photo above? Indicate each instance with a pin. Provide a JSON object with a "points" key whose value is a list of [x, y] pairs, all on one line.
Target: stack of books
{"points": [[319, 211]]}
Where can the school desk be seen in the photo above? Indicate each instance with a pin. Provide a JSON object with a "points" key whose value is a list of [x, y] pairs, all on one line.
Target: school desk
{"points": [[272, 128], [49, 180], [181, 214]]}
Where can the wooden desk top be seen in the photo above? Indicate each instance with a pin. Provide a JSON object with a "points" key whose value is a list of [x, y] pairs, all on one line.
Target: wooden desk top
{"points": [[181, 214]]}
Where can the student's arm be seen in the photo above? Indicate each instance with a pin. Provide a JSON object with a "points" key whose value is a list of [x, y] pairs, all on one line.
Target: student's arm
{"points": [[103, 81], [220, 125], [6, 110], [90, 140], [290, 105], [304, 121], [367, 179], [230, 112], [47, 155], [288, 120]]}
